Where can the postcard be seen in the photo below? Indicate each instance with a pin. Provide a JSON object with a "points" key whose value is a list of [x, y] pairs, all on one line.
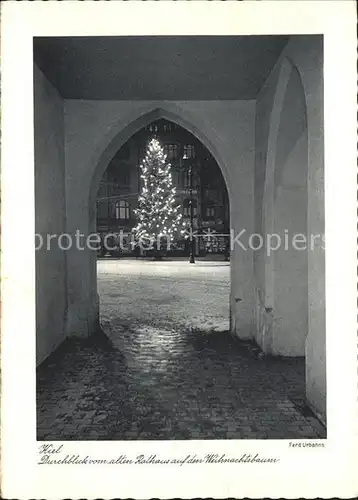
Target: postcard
{"points": [[178, 254]]}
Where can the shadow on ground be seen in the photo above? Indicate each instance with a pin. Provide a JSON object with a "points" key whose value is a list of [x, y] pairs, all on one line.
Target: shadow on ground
{"points": [[192, 385]]}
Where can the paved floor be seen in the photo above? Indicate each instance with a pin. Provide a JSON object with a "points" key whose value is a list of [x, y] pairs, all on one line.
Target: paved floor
{"points": [[167, 367]]}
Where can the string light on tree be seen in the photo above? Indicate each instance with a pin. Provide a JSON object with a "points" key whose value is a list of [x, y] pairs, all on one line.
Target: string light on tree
{"points": [[158, 215]]}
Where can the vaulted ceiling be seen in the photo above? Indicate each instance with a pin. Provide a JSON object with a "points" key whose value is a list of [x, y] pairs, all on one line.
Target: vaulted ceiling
{"points": [[158, 67]]}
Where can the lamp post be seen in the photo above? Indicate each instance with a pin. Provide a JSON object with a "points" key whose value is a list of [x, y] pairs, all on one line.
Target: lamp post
{"points": [[227, 228], [192, 242]]}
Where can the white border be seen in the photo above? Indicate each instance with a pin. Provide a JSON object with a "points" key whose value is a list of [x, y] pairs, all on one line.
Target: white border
{"points": [[309, 473]]}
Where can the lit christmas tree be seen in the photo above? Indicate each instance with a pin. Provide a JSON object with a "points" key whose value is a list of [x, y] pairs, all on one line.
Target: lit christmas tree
{"points": [[158, 214]]}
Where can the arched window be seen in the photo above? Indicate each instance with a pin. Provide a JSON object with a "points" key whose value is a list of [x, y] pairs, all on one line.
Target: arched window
{"points": [[186, 178], [122, 210], [186, 208]]}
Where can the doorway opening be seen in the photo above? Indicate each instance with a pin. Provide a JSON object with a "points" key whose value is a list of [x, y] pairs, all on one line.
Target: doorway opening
{"points": [[188, 286]]}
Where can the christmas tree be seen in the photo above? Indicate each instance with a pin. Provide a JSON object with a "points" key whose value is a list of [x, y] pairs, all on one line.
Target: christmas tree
{"points": [[158, 214]]}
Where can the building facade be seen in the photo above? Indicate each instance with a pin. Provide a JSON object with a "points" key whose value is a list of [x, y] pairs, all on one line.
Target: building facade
{"points": [[200, 190]]}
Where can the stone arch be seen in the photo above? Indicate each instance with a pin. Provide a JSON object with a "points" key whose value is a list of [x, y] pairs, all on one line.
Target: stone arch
{"points": [[112, 142], [124, 129], [309, 64], [286, 187], [290, 218], [307, 61], [269, 186]]}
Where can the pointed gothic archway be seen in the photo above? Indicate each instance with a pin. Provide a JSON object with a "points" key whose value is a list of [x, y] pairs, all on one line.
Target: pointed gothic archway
{"points": [[127, 128], [285, 213], [299, 82], [115, 140]]}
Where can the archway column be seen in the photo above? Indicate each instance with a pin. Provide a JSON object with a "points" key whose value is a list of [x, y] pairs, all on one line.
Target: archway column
{"points": [[83, 307], [241, 257], [306, 55], [290, 243], [95, 132], [316, 339]]}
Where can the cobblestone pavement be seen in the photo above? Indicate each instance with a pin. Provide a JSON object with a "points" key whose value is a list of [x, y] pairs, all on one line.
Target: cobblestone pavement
{"points": [[158, 380]]}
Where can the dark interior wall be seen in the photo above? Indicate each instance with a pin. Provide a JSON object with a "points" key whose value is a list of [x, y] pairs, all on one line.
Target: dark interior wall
{"points": [[50, 216]]}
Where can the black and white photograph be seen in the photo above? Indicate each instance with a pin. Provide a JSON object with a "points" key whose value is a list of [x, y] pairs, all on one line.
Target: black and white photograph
{"points": [[179, 247]]}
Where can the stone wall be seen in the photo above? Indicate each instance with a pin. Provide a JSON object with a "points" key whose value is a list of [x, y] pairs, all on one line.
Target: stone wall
{"points": [[289, 195], [94, 130], [50, 216]]}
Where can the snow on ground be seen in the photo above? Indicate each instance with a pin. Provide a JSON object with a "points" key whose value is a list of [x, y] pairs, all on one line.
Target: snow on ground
{"points": [[146, 295]]}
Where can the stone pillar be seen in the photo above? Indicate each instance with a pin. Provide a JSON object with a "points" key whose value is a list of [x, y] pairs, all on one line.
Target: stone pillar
{"points": [[242, 286], [316, 339], [82, 318]]}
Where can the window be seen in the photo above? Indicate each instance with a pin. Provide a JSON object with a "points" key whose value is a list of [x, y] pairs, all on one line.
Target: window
{"points": [[171, 150], [122, 209], [210, 211], [167, 127], [189, 151], [186, 178], [153, 127], [186, 208]]}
